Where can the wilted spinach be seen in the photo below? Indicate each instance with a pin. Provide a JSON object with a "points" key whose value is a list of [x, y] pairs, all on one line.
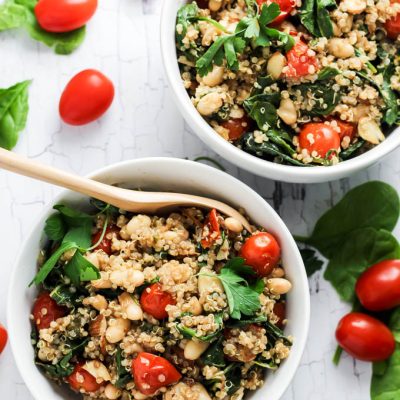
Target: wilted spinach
{"points": [[314, 15]]}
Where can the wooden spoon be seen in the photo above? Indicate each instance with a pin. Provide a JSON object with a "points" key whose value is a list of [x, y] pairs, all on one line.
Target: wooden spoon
{"points": [[129, 200]]}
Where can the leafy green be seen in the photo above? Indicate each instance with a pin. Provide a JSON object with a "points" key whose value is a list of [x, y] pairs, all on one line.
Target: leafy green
{"points": [[244, 322], [55, 227], [214, 355], [274, 333], [123, 375], [13, 113], [311, 261], [190, 333], [327, 73], [79, 269], [264, 114], [233, 377], [389, 97], [183, 19], [11, 16], [64, 296], [352, 149], [314, 15]]}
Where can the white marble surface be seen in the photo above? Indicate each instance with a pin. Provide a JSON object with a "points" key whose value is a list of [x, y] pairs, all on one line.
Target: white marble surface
{"points": [[123, 42]]}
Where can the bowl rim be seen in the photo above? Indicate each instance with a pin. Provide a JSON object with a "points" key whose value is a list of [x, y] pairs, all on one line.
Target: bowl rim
{"points": [[295, 358], [247, 161]]}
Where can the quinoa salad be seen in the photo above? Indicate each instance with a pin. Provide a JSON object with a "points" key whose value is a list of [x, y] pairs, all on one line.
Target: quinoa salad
{"points": [[297, 82], [185, 306]]}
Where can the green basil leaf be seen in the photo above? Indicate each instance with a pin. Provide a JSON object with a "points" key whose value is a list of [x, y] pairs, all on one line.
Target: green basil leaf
{"points": [[12, 16], [55, 227], [13, 113], [79, 269]]}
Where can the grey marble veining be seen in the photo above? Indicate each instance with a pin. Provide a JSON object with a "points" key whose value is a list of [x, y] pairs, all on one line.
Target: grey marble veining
{"points": [[123, 42]]}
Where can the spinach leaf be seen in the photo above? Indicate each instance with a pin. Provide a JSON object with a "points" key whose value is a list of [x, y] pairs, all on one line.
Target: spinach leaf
{"points": [[314, 15], [190, 333], [360, 249], [274, 333], [352, 149], [264, 114], [12, 16], [183, 20], [214, 355], [123, 375], [233, 377], [389, 97], [244, 322], [13, 113], [79, 269], [63, 295], [311, 261], [371, 205], [55, 227], [327, 73]]}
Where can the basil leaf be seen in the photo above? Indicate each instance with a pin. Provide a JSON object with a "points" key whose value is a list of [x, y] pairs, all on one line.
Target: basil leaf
{"points": [[12, 16], [311, 261], [360, 249], [55, 227], [51, 262], [13, 113], [79, 269]]}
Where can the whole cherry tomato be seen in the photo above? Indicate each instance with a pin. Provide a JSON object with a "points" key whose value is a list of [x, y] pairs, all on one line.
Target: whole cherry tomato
{"points": [[364, 337], [80, 379], [211, 230], [378, 288], [319, 137], [237, 127], [392, 25], [3, 338], [105, 244], [151, 373], [154, 300], [301, 61], [64, 15], [46, 310], [261, 252], [280, 311], [87, 96], [286, 6]]}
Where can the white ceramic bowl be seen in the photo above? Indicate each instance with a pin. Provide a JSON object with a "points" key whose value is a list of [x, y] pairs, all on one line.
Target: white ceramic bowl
{"points": [[232, 153], [165, 174]]}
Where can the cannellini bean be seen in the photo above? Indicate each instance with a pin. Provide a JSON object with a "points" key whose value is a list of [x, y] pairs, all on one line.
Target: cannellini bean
{"points": [[278, 273], [127, 278], [275, 65], [98, 370], [117, 330], [214, 77], [278, 285], [195, 306], [130, 307], [102, 283], [208, 284], [98, 302], [92, 258], [287, 111], [340, 48], [370, 131], [233, 225], [138, 222], [215, 5], [354, 6], [111, 392], [360, 111], [193, 350], [209, 104]]}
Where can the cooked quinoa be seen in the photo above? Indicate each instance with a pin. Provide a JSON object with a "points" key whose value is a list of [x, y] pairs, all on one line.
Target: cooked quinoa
{"points": [[156, 291], [296, 82]]}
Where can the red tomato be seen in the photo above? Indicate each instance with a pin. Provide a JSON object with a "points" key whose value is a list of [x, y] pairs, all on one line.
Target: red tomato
{"points": [[392, 25], [151, 373], [346, 129], [280, 311], [154, 300], [82, 379], [237, 127], [299, 61], [364, 337], [262, 252], [46, 310], [211, 230], [64, 15], [319, 137], [3, 338], [105, 244], [87, 97], [286, 7], [378, 288]]}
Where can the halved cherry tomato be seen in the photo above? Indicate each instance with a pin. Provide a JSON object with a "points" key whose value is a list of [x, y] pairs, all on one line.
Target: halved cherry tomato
{"points": [[286, 6], [211, 230], [280, 311], [319, 137], [154, 300], [105, 244], [365, 337], [261, 252], [346, 129], [237, 127], [299, 61], [392, 25], [80, 379], [46, 310], [378, 288], [151, 372], [64, 15], [87, 96], [3, 338]]}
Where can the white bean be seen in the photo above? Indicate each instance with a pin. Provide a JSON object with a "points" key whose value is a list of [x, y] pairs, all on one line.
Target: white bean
{"points": [[130, 307], [370, 131], [193, 350], [354, 6], [208, 284], [138, 222], [233, 225], [102, 283], [340, 48], [209, 104], [278, 285], [287, 111], [275, 65], [214, 77], [112, 392], [117, 330], [98, 302], [98, 370]]}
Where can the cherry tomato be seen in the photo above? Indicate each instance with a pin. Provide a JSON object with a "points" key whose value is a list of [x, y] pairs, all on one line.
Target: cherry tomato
{"points": [[378, 288], [64, 15], [392, 25], [299, 61], [3, 338], [87, 97], [46, 310], [151, 373], [319, 137], [286, 6], [82, 379], [280, 311], [261, 252], [105, 244], [346, 129], [211, 230], [237, 127], [154, 300], [365, 337]]}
